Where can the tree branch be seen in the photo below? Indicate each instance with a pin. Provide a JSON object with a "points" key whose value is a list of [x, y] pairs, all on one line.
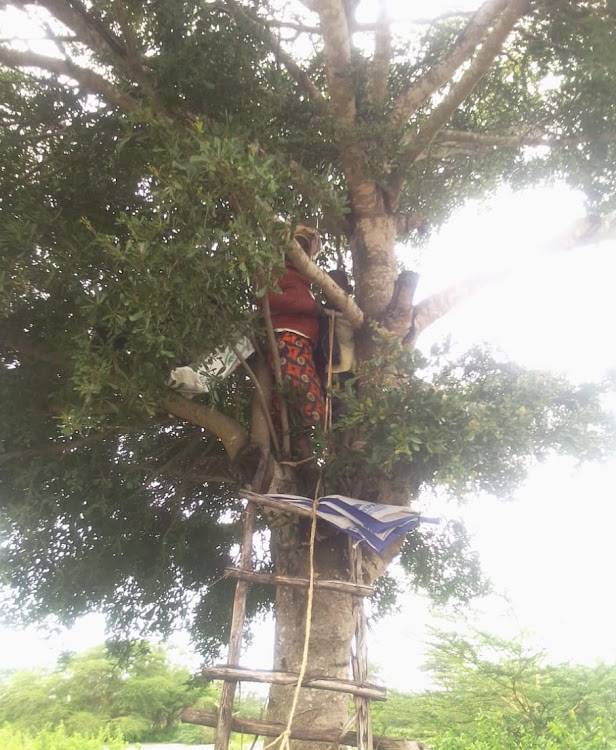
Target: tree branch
{"points": [[297, 72], [589, 230], [379, 69], [337, 49], [462, 89], [230, 432], [337, 53], [55, 447], [23, 344], [89, 30], [432, 308], [399, 314], [419, 92], [134, 61], [488, 140], [95, 83], [333, 293]]}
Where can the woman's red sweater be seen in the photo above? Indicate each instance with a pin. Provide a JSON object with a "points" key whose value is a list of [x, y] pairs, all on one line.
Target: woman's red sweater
{"points": [[294, 309]]}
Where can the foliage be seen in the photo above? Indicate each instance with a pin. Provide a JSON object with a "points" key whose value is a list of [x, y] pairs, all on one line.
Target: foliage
{"points": [[12, 738], [99, 691], [472, 423], [494, 693]]}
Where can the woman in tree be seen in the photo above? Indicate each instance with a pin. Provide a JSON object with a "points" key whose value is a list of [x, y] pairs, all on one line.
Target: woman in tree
{"points": [[295, 318]]}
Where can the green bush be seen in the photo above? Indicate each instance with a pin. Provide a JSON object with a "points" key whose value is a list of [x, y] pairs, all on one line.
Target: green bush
{"points": [[190, 734], [84, 723], [57, 739], [132, 728]]}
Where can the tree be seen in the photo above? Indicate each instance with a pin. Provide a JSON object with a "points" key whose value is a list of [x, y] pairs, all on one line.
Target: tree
{"points": [[492, 692], [133, 689], [150, 153]]}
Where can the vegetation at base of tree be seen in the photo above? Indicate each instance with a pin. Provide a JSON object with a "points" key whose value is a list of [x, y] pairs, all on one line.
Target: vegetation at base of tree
{"points": [[14, 738]]}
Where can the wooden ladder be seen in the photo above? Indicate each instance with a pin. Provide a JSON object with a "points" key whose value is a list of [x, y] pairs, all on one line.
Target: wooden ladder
{"points": [[231, 673]]}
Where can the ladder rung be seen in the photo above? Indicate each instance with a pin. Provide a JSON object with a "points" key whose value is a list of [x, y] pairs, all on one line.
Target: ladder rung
{"points": [[309, 734], [345, 587], [240, 674], [272, 502]]}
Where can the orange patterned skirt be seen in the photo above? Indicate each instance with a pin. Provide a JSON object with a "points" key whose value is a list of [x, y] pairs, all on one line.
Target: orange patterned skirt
{"points": [[299, 371]]}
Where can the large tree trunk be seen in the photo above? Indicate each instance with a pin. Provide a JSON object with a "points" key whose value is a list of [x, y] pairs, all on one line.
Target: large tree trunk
{"points": [[332, 626], [333, 621]]}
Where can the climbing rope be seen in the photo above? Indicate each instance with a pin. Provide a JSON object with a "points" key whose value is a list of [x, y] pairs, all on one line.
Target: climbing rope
{"points": [[285, 737]]}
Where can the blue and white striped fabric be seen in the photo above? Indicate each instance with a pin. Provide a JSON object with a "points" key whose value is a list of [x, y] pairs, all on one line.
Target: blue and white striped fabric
{"points": [[372, 523]]}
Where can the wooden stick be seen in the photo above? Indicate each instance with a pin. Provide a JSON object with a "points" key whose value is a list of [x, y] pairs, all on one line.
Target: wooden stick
{"points": [[360, 658], [262, 400], [223, 728], [308, 734], [355, 589], [273, 346], [240, 674]]}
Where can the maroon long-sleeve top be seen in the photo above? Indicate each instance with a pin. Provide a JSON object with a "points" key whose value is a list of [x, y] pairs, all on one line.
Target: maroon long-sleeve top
{"points": [[294, 309]]}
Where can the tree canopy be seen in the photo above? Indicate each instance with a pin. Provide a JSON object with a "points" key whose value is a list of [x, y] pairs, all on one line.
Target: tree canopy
{"points": [[154, 159]]}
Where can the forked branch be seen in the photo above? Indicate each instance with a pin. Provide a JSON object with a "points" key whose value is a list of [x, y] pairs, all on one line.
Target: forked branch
{"points": [[419, 92], [462, 89]]}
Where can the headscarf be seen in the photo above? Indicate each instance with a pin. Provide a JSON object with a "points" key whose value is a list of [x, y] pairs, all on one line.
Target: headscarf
{"points": [[311, 236]]}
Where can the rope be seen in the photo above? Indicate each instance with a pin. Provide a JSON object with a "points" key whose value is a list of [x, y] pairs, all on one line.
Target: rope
{"points": [[285, 737]]}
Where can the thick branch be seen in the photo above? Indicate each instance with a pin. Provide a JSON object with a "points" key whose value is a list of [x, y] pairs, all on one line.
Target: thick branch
{"points": [[379, 69], [487, 141], [333, 293], [337, 53], [478, 68], [25, 345], [134, 60], [230, 432], [399, 313], [337, 49], [587, 231], [462, 89], [419, 92], [89, 30], [297, 72], [432, 308], [95, 83], [53, 448]]}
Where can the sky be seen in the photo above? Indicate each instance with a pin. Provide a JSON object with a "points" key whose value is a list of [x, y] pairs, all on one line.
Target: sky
{"points": [[548, 549]]}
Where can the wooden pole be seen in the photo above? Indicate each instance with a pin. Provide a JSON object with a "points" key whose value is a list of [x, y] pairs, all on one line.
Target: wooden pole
{"points": [[308, 734], [223, 727], [360, 658], [317, 682], [345, 587]]}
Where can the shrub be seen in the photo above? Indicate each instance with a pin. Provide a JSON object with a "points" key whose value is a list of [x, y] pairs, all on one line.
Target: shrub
{"points": [[132, 728], [190, 734], [57, 739]]}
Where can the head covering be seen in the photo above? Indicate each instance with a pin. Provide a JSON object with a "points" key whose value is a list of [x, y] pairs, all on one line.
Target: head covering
{"points": [[311, 236]]}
